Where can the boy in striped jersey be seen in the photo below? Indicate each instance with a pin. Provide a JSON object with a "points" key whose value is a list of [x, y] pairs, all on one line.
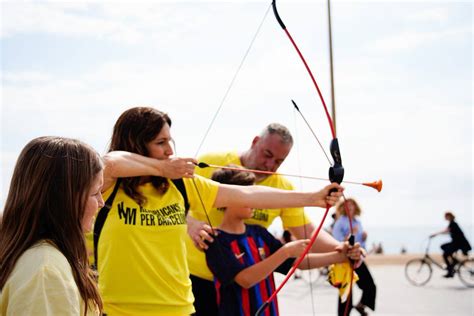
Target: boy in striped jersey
{"points": [[243, 257]]}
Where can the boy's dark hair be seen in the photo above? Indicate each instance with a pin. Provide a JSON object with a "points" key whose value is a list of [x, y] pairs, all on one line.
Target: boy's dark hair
{"points": [[236, 177]]}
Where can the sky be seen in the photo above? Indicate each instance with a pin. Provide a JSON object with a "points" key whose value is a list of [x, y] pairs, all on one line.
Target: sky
{"points": [[402, 73]]}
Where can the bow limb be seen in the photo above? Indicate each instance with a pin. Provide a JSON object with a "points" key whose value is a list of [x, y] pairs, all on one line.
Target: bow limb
{"points": [[336, 170], [295, 265], [282, 25]]}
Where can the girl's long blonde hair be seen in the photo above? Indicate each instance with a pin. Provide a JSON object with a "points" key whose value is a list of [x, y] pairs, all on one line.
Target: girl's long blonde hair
{"points": [[340, 209]]}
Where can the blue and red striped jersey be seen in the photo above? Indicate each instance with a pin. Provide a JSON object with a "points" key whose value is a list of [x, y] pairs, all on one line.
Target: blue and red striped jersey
{"points": [[228, 255]]}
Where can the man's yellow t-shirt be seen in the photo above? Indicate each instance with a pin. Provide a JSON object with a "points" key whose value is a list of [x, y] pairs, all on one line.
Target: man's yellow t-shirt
{"points": [[290, 217], [142, 253]]}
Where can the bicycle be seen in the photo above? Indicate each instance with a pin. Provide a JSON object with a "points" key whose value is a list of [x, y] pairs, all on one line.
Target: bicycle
{"points": [[419, 271]]}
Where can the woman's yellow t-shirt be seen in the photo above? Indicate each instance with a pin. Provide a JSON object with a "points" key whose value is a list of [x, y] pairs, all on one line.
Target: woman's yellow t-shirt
{"points": [[142, 253]]}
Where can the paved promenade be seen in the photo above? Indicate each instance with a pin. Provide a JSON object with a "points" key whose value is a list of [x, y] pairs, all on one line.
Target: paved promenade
{"points": [[395, 296]]}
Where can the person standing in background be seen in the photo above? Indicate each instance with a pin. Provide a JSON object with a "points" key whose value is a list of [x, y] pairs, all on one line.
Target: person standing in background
{"points": [[341, 231]]}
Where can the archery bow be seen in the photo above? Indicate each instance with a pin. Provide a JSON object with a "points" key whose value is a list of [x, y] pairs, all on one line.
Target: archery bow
{"points": [[336, 170]]}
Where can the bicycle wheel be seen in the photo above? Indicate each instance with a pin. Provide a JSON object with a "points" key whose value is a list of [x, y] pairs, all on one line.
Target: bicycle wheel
{"points": [[418, 272], [466, 272]]}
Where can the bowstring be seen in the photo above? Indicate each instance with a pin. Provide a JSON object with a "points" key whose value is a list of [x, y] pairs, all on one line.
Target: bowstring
{"points": [[219, 247], [298, 160], [232, 81]]}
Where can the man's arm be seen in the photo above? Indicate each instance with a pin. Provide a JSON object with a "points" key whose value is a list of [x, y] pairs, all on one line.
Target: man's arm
{"points": [[257, 196], [199, 232]]}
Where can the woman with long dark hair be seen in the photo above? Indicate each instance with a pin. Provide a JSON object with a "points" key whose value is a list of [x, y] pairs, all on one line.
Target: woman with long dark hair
{"points": [[53, 196]]}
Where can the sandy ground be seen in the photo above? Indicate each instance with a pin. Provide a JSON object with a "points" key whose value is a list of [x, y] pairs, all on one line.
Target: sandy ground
{"points": [[395, 295], [397, 259]]}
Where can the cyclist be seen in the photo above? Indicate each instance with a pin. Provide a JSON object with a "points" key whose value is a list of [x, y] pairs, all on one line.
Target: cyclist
{"points": [[459, 242]]}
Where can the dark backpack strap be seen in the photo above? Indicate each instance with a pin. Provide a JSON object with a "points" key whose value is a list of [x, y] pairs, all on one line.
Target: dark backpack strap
{"points": [[101, 217], [179, 183]]}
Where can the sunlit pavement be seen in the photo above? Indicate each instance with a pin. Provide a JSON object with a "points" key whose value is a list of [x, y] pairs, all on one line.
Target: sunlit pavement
{"points": [[395, 296]]}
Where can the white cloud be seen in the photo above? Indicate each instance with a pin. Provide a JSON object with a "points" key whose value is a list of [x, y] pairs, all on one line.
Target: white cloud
{"points": [[437, 14], [123, 22], [411, 40], [62, 19], [25, 77]]}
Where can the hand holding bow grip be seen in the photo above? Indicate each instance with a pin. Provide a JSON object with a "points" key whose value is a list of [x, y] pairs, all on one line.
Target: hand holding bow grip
{"points": [[351, 242], [336, 171]]}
